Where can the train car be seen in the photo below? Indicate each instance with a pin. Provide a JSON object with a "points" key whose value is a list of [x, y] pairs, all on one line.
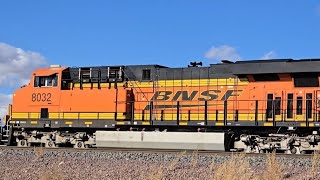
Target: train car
{"points": [[258, 105]]}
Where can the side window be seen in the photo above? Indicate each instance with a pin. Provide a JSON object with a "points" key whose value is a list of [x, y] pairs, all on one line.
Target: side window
{"points": [[290, 106], [309, 104], [146, 74], [299, 105], [36, 81], [49, 81], [277, 102], [269, 105], [42, 81], [46, 81], [55, 81]]}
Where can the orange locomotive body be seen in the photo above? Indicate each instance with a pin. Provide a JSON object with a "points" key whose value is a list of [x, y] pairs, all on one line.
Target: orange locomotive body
{"points": [[238, 98], [47, 98]]}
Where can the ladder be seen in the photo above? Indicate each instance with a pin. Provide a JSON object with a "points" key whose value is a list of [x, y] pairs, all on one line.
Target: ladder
{"points": [[6, 132]]}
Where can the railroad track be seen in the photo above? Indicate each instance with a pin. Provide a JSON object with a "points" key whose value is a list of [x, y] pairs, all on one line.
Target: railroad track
{"points": [[167, 151]]}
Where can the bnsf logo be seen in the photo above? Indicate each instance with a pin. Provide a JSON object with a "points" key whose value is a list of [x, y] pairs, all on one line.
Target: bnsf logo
{"points": [[207, 95]]}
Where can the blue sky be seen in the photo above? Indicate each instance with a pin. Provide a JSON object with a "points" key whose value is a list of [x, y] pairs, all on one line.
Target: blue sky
{"points": [[166, 32]]}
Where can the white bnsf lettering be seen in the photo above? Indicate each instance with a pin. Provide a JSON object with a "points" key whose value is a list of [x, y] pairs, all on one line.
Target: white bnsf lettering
{"points": [[207, 95]]}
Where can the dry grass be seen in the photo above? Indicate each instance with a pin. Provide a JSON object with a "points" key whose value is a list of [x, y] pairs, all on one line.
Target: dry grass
{"points": [[176, 160], [235, 168], [159, 172], [194, 158], [53, 174], [50, 176], [156, 174], [39, 151], [273, 169], [315, 165]]}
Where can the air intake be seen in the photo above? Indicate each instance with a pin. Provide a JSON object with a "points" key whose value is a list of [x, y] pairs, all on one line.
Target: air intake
{"points": [[55, 66]]}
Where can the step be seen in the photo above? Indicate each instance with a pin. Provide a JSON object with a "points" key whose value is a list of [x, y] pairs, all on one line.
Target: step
{"points": [[4, 140]]}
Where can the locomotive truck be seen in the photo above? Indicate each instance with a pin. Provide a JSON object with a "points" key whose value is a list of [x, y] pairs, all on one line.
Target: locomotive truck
{"points": [[252, 106]]}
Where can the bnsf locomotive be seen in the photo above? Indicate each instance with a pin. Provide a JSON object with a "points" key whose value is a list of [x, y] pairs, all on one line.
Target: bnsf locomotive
{"points": [[259, 105]]}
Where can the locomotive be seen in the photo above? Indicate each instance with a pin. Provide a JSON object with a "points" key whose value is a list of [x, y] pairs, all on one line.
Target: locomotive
{"points": [[258, 105]]}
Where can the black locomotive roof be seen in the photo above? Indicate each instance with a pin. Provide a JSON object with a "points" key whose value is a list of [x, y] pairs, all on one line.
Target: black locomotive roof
{"points": [[272, 66], [225, 69]]}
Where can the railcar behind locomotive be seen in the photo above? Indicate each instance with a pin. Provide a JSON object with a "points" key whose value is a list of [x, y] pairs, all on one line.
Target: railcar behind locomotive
{"points": [[258, 105]]}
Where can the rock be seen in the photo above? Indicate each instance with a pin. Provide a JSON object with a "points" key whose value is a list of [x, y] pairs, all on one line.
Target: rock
{"points": [[91, 164]]}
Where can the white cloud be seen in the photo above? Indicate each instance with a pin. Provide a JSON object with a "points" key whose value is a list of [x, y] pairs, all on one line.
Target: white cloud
{"points": [[16, 66], [223, 52], [269, 55], [4, 101]]}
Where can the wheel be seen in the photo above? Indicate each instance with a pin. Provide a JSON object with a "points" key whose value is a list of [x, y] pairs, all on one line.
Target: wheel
{"points": [[294, 150], [50, 144], [22, 143], [79, 144]]}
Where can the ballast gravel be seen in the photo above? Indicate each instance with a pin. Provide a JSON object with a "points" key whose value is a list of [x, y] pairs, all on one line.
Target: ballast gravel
{"points": [[40, 163]]}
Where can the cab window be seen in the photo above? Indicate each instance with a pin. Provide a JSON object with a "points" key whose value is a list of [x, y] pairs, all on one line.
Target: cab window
{"points": [[46, 81]]}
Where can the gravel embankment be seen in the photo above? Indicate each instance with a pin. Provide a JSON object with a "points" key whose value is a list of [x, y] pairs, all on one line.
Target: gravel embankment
{"points": [[50, 164]]}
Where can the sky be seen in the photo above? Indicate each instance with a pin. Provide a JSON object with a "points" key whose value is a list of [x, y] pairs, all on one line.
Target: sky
{"points": [[172, 33]]}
